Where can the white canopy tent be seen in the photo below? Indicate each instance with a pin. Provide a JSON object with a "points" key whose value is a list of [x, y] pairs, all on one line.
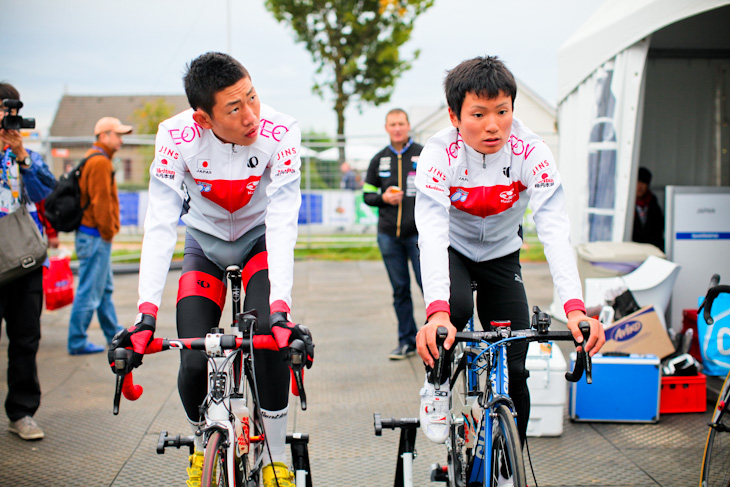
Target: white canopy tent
{"points": [[642, 83], [356, 154]]}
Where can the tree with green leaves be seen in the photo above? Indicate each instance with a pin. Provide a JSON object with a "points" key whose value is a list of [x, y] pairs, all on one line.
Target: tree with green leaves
{"points": [[147, 118], [151, 115], [355, 44]]}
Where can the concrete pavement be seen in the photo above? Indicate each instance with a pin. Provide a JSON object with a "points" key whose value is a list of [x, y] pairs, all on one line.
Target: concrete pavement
{"points": [[348, 307]]}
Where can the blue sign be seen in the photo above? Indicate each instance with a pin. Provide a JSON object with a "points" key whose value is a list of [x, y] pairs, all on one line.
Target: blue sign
{"points": [[703, 235], [311, 209], [128, 208]]}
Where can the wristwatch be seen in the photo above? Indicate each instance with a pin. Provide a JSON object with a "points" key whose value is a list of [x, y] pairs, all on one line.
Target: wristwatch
{"points": [[25, 162]]}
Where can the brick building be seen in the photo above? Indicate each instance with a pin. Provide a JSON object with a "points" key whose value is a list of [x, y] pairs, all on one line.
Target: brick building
{"points": [[72, 131]]}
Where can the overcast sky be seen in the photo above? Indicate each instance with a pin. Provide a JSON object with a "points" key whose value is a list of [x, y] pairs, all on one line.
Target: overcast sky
{"points": [[99, 47]]}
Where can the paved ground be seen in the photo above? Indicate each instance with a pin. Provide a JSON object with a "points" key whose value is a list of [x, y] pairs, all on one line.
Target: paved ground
{"points": [[347, 305]]}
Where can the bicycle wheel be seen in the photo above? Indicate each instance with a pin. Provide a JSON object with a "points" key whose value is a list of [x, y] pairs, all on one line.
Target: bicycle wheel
{"points": [[215, 473], [716, 459], [507, 465]]}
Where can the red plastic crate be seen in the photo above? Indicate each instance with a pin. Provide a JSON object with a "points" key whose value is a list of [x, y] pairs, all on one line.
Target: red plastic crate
{"points": [[683, 394]]}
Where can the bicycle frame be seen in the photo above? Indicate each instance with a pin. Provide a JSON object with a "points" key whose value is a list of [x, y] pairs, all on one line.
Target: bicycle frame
{"points": [[218, 414], [230, 367], [490, 357], [497, 392]]}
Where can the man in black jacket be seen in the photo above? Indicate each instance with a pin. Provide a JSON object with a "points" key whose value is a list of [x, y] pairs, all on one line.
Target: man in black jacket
{"points": [[389, 185], [648, 215]]}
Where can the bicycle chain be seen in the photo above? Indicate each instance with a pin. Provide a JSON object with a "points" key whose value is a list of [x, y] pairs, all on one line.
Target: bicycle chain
{"points": [[463, 461], [460, 442]]}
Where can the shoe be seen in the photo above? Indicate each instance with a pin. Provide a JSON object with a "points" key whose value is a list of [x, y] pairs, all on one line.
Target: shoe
{"points": [[87, 349], [402, 351], [26, 428], [435, 414], [284, 476], [195, 470]]}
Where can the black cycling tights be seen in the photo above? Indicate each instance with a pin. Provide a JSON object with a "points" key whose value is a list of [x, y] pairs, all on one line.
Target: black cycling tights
{"points": [[200, 301], [500, 296]]}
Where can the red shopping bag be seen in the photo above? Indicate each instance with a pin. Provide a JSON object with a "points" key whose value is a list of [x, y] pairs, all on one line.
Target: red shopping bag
{"points": [[58, 283]]}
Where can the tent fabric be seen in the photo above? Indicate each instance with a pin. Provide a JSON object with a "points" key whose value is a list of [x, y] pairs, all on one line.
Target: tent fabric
{"points": [[615, 26], [599, 128], [605, 73]]}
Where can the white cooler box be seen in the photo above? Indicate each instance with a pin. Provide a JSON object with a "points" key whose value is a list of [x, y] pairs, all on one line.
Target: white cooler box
{"points": [[547, 387]]}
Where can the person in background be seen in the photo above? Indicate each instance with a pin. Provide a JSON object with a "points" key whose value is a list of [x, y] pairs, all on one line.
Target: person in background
{"points": [[99, 225], [21, 300], [389, 186], [648, 215], [349, 180]]}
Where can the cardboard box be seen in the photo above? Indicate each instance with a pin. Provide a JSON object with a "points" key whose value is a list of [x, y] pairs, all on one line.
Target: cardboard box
{"points": [[625, 389], [641, 332]]}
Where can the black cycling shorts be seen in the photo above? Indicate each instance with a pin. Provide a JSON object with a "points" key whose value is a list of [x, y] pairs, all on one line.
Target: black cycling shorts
{"points": [[500, 296], [200, 301]]}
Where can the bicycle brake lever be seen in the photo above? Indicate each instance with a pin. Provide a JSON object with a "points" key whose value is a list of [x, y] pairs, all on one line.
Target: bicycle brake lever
{"points": [[118, 392], [585, 329], [441, 334], [296, 352], [121, 358]]}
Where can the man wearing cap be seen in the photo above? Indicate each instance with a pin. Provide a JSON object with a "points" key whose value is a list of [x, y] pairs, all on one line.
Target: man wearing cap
{"points": [[94, 239]]}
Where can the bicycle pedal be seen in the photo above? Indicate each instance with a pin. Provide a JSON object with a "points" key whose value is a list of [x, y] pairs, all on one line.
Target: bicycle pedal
{"points": [[439, 473], [164, 441]]}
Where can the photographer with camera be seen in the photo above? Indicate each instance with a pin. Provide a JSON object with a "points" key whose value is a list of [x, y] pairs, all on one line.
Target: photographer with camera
{"points": [[24, 180]]}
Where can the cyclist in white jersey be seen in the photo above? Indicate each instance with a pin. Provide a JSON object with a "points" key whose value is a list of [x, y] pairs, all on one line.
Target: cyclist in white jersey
{"points": [[230, 166], [474, 181]]}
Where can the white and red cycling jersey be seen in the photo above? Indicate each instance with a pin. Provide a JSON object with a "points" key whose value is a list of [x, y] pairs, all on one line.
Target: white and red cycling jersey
{"points": [[226, 190], [476, 203]]}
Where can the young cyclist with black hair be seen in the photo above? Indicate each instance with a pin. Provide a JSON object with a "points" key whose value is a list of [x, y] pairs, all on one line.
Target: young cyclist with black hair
{"points": [[474, 181], [230, 165]]}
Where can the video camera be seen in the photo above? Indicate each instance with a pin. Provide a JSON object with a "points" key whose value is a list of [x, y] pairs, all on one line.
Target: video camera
{"points": [[15, 122]]}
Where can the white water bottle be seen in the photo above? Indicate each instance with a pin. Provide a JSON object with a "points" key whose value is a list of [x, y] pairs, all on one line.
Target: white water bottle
{"points": [[240, 411]]}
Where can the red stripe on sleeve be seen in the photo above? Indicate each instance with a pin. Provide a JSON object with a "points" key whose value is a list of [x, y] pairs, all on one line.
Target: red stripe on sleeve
{"points": [[437, 306], [279, 305], [256, 263], [197, 283], [573, 305]]}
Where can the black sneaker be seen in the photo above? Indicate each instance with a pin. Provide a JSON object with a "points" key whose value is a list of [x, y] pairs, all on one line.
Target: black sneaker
{"points": [[402, 351]]}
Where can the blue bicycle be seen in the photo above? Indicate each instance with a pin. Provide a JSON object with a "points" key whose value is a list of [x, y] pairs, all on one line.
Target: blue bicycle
{"points": [[483, 448]]}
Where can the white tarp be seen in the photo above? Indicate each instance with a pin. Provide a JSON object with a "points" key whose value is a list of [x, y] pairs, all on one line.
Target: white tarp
{"points": [[606, 99], [615, 26], [598, 132], [601, 88]]}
